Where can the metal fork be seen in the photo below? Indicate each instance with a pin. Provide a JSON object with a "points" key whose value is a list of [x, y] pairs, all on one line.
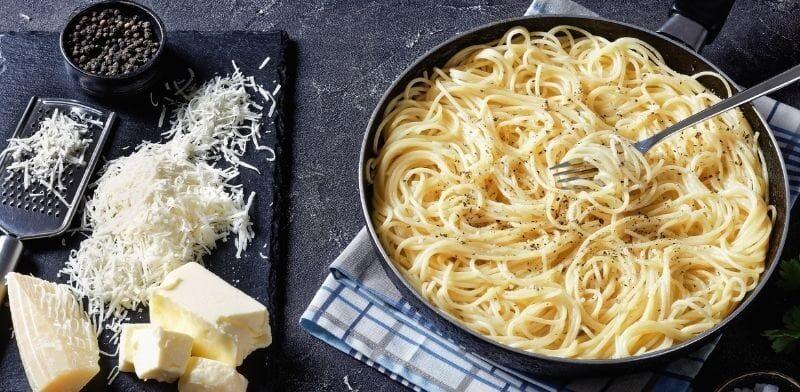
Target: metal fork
{"points": [[568, 172]]}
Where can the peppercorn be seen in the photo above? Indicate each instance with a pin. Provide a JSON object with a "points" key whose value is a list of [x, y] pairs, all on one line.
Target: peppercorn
{"points": [[110, 42]]}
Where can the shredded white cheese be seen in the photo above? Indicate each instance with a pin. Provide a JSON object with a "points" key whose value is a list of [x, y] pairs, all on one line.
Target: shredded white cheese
{"points": [[162, 116], [153, 101], [346, 381], [112, 375], [168, 203], [220, 119], [152, 212], [43, 157], [264, 63], [2, 59]]}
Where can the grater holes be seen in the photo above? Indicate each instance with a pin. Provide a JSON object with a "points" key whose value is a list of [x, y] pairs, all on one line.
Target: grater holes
{"points": [[38, 198], [36, 201]]}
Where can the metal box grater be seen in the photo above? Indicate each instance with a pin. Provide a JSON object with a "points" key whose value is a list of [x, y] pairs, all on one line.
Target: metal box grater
{"points": [[25, 216], [36, 212]]}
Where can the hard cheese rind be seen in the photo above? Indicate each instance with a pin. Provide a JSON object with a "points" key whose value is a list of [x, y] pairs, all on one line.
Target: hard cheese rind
{"points": [[56, 341], [226, 324], [208, 375]]}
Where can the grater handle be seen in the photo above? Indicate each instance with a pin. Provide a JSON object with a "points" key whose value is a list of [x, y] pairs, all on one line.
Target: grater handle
{"points": [[10, 249]]}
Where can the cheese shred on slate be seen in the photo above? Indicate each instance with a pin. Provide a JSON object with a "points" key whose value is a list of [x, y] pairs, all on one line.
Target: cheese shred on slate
{"points": [[43, 157], [168, 203], [220, 119]]}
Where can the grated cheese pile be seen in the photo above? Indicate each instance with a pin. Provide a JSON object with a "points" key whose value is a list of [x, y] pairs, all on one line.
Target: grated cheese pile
{"points": [[44, 156], [152, 212], [168, 203]]}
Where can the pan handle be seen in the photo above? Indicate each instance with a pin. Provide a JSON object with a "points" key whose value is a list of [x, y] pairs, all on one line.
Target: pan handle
{"points": [[10, 249], [696, 23]]}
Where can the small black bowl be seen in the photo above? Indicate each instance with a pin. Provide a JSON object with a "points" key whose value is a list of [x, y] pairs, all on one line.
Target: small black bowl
{"points": [[749, 380], [132, 83]]}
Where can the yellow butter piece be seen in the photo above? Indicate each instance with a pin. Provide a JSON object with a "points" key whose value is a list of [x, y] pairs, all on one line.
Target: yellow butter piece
{"points": [[208, 375], [226, 324], [127, 345], [56, 341], [160, 354]]}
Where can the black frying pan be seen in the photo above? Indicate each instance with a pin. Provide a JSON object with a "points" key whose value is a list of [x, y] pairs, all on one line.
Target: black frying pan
{"points": [[691, 25]]}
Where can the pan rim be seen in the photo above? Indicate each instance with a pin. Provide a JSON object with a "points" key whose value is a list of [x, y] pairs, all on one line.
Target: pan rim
{"points": [[377, 115]]}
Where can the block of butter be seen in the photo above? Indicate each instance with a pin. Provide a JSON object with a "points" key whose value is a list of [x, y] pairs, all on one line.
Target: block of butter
{"points": [[208, 375], [160, 354], [127, 345], [226, 324], [56, 341]]}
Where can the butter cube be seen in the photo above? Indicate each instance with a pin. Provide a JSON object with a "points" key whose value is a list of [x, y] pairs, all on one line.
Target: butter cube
{"points": [[127, 345], [160, 354], [208, 375], [225, 323]]}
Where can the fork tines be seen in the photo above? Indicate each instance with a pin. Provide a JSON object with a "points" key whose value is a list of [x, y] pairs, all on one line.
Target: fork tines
{"points": [[567, 172]]}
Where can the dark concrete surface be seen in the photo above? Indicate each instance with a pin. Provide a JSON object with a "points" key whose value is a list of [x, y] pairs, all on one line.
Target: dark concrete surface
{"points": [[348, 53]]}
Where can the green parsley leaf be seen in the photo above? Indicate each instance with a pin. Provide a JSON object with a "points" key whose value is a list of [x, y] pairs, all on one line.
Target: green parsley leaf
{"points": [[790, 275], [781, 343], [791, 320], [788, 338]]}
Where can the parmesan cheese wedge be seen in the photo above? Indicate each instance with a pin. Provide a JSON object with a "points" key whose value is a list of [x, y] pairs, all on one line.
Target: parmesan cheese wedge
{"points": [[226, 324], [56, 341], [208, 375]]}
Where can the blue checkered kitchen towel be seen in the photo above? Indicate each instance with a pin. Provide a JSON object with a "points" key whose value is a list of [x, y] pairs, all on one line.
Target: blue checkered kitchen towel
{"points": [[359, 311]]}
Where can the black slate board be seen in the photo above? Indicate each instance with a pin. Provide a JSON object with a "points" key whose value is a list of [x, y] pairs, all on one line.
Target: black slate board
{"points": [[34, 67]]}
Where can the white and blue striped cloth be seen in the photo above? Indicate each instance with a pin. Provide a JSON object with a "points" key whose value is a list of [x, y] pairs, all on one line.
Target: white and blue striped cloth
{"points": [[359, 311]]}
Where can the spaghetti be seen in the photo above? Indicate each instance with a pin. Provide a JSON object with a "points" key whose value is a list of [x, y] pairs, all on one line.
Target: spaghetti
{"points": [[654, 251]]}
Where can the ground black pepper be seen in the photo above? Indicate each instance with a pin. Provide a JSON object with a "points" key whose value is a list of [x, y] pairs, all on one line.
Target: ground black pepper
{"points": [[109, 42]]}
